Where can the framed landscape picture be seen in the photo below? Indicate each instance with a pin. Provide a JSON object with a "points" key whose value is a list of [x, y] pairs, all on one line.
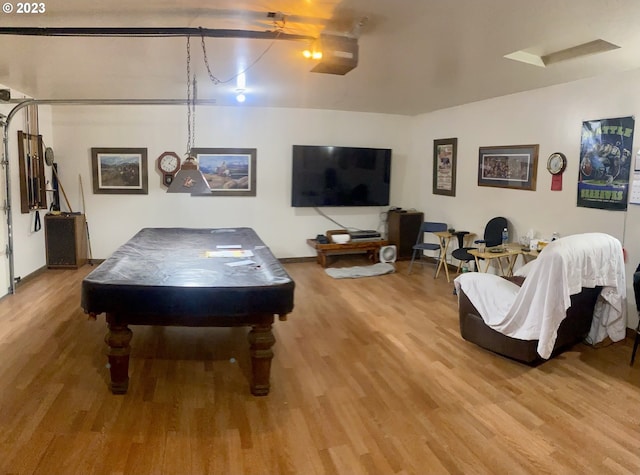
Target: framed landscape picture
{"points": [[444, 166], [119, 170], [512, 166], [229, 171]]}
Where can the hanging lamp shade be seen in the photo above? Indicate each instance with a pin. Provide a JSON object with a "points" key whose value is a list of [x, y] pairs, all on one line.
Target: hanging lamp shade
{"points": [[189, 179]]}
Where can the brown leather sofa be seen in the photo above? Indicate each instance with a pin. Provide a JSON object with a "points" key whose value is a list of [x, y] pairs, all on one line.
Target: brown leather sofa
{"points": [[574, 328]]}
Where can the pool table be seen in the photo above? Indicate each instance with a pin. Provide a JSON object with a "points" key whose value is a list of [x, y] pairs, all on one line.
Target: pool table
{"points": [[223, 277]]}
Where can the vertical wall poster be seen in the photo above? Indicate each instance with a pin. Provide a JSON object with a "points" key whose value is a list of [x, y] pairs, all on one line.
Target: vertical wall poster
{"points": [[444, 166], [605, 161]]}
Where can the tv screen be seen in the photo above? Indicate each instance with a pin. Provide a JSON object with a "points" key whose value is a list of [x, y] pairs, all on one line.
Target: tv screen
{"points": [[340, 176]]}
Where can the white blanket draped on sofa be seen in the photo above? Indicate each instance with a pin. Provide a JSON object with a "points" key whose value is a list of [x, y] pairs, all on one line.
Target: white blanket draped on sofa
{"points": [[535, 311]]}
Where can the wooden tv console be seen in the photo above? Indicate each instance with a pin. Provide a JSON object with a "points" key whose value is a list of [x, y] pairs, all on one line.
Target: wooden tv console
{"points": [[372, 248]]}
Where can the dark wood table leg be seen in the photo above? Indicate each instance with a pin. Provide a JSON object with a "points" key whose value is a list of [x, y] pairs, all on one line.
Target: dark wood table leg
{"points": [[373, 254], [118, 338], [261, 340]]}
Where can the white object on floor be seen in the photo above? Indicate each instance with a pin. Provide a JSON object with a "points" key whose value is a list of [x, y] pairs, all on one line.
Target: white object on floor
{"points": [[380, 268]]}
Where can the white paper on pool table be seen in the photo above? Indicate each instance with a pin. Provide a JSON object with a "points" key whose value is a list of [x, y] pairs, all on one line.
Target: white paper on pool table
{"points": [[245, 262], [230, 253]]}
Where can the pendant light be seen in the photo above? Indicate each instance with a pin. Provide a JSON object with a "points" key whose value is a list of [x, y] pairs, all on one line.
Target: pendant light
{"points": [[189, 178]]}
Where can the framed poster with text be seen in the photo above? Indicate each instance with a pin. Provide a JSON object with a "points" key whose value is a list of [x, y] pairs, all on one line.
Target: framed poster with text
{"points": [[605, 161]]}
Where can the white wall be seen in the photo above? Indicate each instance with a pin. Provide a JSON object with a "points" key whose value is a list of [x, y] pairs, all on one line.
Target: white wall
{"points": [[28, 244], [113, 219], [551, 117]]}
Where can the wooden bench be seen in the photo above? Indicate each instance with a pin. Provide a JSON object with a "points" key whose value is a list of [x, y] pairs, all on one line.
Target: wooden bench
{"points": [[372, 249]]}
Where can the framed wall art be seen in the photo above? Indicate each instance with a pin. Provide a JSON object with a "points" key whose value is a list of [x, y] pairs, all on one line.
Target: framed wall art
{"points": [[606, 152], [444, 166], [119, 170], [512, 166], [229, 171]]}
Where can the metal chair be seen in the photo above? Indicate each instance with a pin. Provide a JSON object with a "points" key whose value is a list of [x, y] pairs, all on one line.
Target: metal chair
{"points": [[492, 237], [420, 245], [461, 253]]}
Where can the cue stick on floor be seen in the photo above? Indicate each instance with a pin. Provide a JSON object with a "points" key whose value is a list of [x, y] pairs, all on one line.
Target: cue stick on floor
{"points": [[86, 222]]}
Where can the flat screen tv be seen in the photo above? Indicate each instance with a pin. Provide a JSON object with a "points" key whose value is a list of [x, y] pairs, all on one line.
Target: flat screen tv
{"points": [[340, 176]]}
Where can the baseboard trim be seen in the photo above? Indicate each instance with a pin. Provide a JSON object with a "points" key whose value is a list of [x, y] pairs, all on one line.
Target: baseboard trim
{"points": [[23, 280]]}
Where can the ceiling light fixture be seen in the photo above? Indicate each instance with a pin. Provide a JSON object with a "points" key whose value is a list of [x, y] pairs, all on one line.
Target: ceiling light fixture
{"points": [[241, 81], [336, 54], [189, 178], [241, 87], [313, 51]]}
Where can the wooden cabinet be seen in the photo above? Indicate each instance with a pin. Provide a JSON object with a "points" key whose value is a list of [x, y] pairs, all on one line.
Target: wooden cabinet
{"points": [[403, 229], [66, 240]]}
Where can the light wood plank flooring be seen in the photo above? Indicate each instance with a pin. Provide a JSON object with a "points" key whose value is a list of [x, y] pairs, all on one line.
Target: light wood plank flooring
{"points": [[370, 376]]}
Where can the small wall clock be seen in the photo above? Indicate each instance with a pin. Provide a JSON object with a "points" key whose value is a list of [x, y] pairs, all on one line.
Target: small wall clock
{"points": [[556, 163], [168, 164]]}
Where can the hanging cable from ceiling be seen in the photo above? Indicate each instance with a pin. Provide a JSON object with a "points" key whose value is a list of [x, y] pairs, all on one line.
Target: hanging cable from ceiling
{"points": [[191, 101], [189, 178], [279, 26]]}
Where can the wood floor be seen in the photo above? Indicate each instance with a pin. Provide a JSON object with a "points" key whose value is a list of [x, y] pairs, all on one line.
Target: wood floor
{"points": [[370, 376]]}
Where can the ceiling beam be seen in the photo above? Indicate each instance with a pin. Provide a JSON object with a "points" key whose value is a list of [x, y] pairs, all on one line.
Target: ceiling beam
{"points": [[153, 32]]}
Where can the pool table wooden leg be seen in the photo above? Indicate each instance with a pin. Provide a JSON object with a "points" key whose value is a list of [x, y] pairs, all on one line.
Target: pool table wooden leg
{"points": [[118, 338], [261, 340]]}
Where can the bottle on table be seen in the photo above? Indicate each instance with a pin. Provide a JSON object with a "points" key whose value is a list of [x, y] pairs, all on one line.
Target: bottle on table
{"points": [[505, 236]]}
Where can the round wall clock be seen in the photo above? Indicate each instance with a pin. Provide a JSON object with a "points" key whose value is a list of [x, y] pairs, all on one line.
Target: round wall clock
{"points": [[168, 164], [556, 163]]}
